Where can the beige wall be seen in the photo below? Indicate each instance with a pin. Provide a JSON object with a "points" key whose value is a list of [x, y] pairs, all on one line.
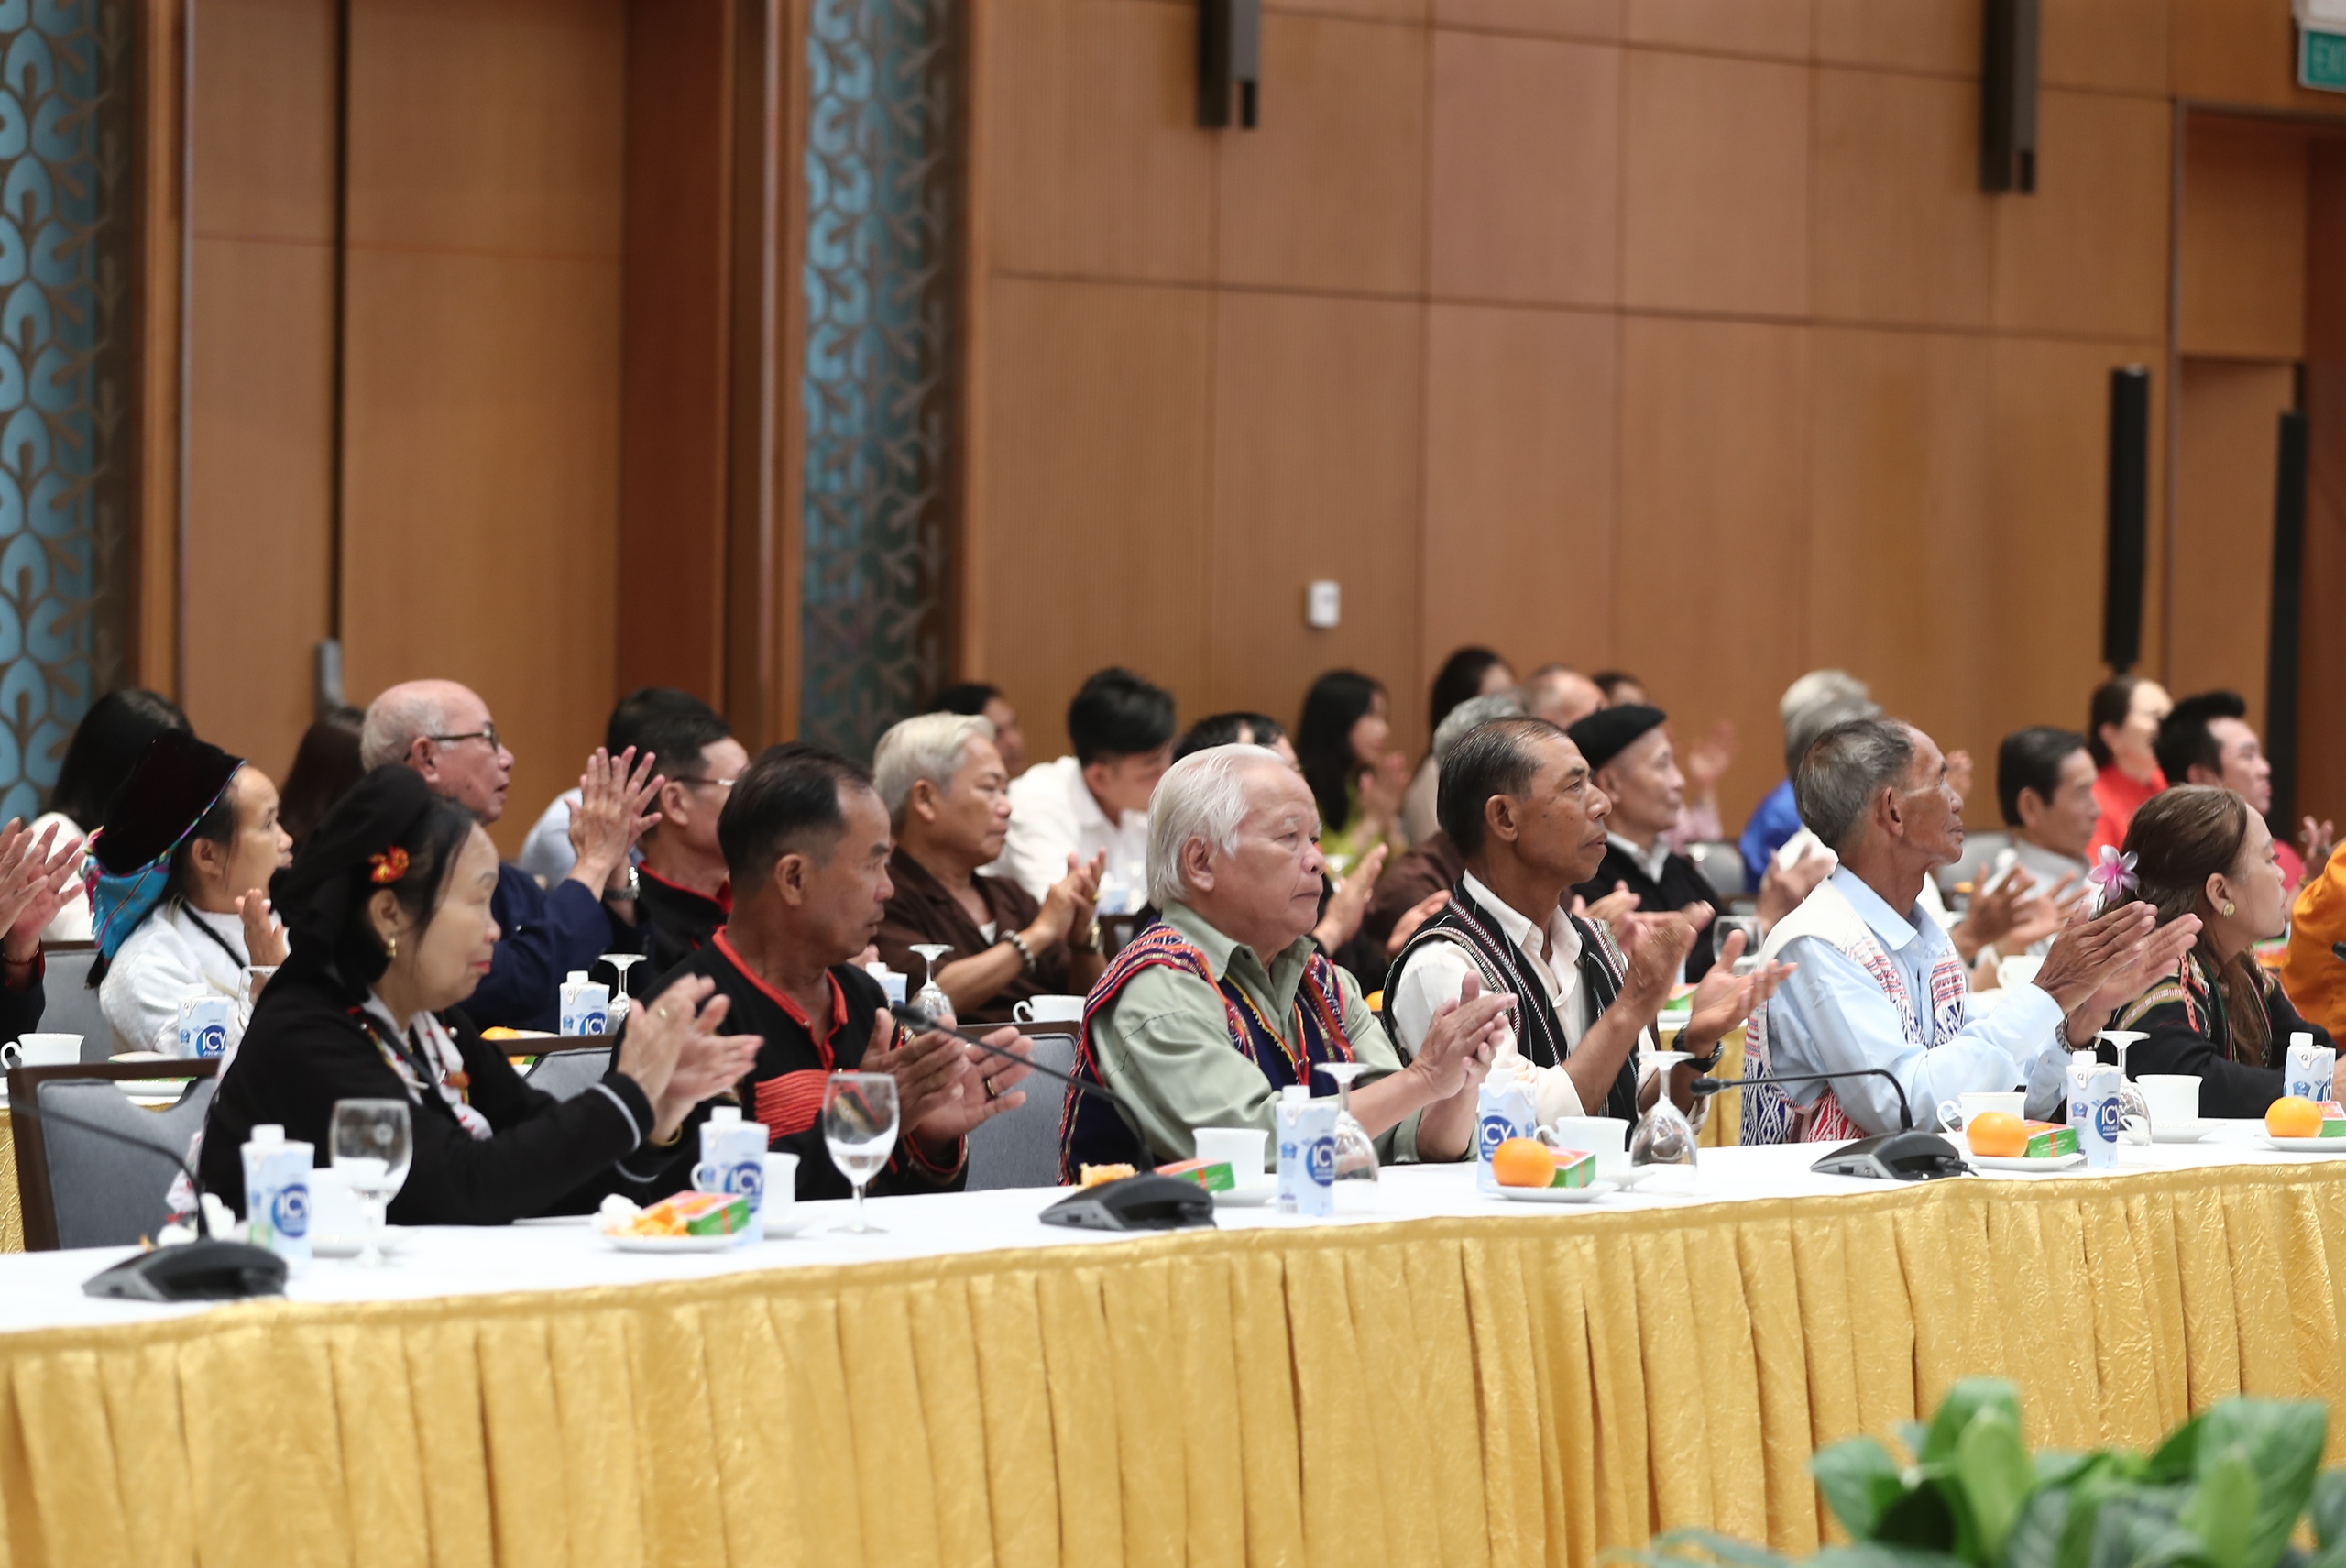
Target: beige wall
{"points": [[1667, 333]]}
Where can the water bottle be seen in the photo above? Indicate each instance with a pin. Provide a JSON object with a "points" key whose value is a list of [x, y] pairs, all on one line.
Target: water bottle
{"points": [[277, 1195], [204, 1019], [733, 1161], [1307, 1143], [2313, 1070], [2094, 1109], [585, 1006], [1502, 1110], [891, 982]]}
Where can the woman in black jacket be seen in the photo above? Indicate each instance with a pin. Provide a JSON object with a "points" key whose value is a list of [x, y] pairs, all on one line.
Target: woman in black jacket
{"points": [[388, 907], [2200, 851]]}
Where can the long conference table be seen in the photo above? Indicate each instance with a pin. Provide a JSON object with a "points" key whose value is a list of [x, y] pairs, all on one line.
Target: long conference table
{"points": [[1445, 1377]]}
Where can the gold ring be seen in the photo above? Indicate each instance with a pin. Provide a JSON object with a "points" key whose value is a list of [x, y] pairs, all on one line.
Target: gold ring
{"points": [[991, 1091]]}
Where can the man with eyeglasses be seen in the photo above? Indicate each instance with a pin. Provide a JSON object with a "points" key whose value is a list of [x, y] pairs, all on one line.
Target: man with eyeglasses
{"points": [[683, 892], [445, 732]]}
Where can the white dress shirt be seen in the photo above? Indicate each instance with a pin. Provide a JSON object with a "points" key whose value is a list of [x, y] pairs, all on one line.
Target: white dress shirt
{"points": [[546, 853], [1053, 816], [167, 958], [1553, 955]]}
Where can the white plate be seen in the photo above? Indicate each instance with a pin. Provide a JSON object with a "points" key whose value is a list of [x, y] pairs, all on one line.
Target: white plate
{"points": [[2305, 1145], [2008, 1162], [670, 1244], [1253, 1196], [395, 1241], [2189, 1132], [789, 1224], [1588, 1194]]}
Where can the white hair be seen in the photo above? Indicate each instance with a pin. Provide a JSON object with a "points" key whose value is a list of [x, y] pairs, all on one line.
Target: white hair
{"points": [[929, 747], [396, 720], [1203, 796], [1475, 712]]}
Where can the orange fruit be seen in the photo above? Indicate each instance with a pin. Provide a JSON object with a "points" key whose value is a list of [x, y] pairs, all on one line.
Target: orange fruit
{"points": [[1523, 1162], [2293, 1116], [1999, 1135]]}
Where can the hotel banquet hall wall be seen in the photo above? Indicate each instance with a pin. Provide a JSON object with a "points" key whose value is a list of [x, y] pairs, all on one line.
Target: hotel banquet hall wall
{"points": [[1673, 334]]}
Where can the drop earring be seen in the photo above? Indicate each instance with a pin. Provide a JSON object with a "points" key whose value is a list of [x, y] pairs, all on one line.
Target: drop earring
{"points": [[2227, 908], [391, 944]]}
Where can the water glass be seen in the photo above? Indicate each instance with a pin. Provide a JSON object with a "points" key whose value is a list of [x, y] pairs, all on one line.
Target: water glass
{"points": [[372, 1143], [860, 1113]]}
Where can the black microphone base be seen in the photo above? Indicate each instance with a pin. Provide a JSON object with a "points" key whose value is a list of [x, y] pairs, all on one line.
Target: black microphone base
{"points": [[1134, 1203], [1912, 1155], [193, 1271]]}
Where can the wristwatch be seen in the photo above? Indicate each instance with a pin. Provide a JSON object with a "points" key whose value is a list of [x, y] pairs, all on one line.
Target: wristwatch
{"points": [[1091, 943], [625, 892]]}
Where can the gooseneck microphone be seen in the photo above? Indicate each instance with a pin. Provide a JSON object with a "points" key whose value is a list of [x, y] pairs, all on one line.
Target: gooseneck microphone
{"points": [[1907, 1155], [921, 1024], [1702, 1086]]}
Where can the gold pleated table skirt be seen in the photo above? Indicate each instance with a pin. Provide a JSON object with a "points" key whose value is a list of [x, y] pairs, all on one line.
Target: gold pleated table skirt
{"points": [[1517, 1388]]}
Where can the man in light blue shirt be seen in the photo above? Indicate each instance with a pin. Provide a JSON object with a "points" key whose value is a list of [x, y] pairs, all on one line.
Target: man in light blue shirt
{"points": [[1878, 983]]}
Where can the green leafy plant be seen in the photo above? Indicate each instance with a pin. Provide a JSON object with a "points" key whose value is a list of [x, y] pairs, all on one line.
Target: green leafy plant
{"points": [[2226, 1490]]}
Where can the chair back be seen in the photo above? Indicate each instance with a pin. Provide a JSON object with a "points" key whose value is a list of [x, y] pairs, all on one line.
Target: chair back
{"points": [[68, 1004], [79, 1188], [571, 1069], [1721, 864], [1020, 1147]]}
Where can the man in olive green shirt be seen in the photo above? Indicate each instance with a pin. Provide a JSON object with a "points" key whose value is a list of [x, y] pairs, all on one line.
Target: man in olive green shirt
{"points": [[1235, 864]]}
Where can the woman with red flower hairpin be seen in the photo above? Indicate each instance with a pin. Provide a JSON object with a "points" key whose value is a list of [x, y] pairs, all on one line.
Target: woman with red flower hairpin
{"points": [[387, 905]]}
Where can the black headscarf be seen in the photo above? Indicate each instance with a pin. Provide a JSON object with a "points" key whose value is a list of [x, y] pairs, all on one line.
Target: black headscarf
{"points": [[178, 780], [389, 832]]}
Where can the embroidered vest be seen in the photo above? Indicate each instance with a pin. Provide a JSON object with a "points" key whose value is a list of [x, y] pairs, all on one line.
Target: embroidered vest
{"points": [[1091, 1132], [1465, 923], [1768, 1115]]}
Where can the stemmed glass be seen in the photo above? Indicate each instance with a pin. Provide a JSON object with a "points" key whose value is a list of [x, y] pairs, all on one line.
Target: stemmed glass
{"points": [[931, 1001], [620, 1001], [1663, 1136], [372, 1141], [1355, 1154], [2133, 1105], [859, 1114]]}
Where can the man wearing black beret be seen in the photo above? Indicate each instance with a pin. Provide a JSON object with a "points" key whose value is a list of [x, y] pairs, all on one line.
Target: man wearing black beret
{"points": [[1627, 751]]}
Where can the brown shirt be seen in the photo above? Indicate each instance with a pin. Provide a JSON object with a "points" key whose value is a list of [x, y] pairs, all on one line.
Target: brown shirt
{"points": [[1430, 867], [921, 910]]}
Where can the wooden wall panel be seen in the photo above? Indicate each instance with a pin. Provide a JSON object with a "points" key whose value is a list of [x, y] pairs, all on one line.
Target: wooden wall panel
{"points": [[2112, 45], [1712, 555], [1317, 422], [1777, 28], [2223, 513], [2243, 237], [1095, 165], [1593, 19], [1330, 193], [1937, 35], [1520, 448], [260, 371], [1715, 184], [2322, 695], [1899, 231], [1525, 161], [1098, 399], [2238, 51], [2087, 253], [1897, 500], [482, 365]]}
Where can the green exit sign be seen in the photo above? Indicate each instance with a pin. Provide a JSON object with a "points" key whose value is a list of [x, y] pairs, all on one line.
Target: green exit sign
{"points": [[2321, 60]]}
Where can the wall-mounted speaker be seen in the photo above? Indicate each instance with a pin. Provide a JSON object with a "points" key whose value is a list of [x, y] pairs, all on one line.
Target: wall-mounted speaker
{"points": [[2130, 508], [2008, 96], [2288, 595], [1230, 61]]}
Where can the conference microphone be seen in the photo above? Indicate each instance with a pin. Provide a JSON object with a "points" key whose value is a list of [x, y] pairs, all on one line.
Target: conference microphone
{"points": [[920, 1023], [1908, 1155], [202, 1270]]}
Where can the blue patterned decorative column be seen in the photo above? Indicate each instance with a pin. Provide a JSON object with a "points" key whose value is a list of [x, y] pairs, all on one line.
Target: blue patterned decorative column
{"points": [[66, 324], [883, 196]]}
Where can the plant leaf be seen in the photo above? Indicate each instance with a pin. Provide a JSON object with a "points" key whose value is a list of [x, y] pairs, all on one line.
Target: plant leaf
{"points": [[1876, 1554], [1997, 1476], [2136, 1527], [2173, 1460], [1924, 1519], [2225, 1511], [1965, 1400], [1859, 1479], [2329, 1508], [2035, 1540], [2280, 1442]]}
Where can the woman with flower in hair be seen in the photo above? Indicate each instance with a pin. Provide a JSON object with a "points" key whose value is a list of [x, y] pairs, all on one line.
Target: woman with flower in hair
{"points": [[388, 907], [2199, 852]]}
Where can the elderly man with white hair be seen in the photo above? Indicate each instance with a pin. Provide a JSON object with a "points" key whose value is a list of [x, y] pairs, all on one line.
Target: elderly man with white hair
{"points": [[1878, 983], [948, 794], [444, 732], [1204, 1017]]}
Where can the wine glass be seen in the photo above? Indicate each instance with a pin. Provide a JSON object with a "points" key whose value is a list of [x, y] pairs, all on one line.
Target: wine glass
{"points": [[372, 1141], [931, 1002], [620, 1001], [860, 1114], [1663, 1136], [2133, 1106], [1355, 1154]]}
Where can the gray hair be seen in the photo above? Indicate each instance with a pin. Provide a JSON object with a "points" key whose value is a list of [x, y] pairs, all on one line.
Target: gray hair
{"points": [[1203, 796], [1815, 703], [396, 720], [1474, 711], [926, 747], [1849, 765]]}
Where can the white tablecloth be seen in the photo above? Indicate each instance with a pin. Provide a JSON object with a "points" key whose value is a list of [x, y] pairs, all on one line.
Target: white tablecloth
{"points": [[44, 1290]]}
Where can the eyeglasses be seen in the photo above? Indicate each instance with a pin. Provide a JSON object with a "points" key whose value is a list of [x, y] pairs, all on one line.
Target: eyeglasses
{"points": [[486, 732], [705, 779]]}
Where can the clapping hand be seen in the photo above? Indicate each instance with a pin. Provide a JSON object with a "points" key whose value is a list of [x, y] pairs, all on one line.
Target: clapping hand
{"points": [[1611, 911], [673, 1051], [1462, 1039], [2320, 837], [36, 879], [1348, 901], [1784, 889], [1417, 914], [1723, 999], [2034, 920], [610, 815], [1706, 762], [265, 943], [940, 1090], [2159, 953]]}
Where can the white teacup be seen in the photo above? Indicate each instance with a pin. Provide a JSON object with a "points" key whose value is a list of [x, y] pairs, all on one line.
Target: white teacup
{"points": [[42, 1050], [1049, 1010], [781, 1195], [2172, 1097], [337, 1219], [1606, 1137], [1243, 1148], [1957, 1113]]}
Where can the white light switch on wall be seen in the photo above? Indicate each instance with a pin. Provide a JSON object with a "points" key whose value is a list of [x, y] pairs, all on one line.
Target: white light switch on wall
{"points": [[1323, 603]]}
